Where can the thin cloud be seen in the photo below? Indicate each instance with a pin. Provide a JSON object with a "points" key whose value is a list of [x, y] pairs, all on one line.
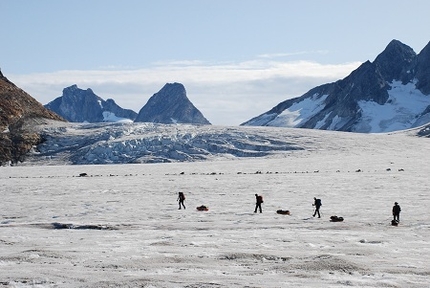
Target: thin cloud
{"points": [[289, 54]]}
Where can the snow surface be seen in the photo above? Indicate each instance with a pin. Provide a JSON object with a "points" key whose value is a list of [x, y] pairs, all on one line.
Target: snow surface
{"points": [[299, 112], [120, 226], [111, 117], [403, 104]]}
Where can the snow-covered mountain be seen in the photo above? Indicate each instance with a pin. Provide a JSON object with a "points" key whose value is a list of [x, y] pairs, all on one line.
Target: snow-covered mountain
{"points": [[78, 105], [171, 105], [392, 93]]}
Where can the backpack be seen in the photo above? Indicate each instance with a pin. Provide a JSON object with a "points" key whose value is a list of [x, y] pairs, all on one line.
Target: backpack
{"points": [[181, 196], [260, 199], [318, 202]]}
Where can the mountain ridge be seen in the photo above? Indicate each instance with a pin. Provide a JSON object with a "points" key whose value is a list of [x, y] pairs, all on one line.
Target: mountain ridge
{"points": [[169, 105], [346, 104], [78, 105]]}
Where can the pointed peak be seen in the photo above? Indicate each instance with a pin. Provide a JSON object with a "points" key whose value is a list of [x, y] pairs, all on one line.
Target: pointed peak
{"points": [[71, 88], [174, 85], [394, 60], [395, 43], [171, 105], [424, 51], [399, 47], [396, 51], [172, 89]]}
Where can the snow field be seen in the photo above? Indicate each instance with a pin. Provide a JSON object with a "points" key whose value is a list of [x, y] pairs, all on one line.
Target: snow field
{"points": [[128, 232]]}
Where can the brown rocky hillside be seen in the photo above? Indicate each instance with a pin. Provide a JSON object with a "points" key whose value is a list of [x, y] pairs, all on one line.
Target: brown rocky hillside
{"points": [[18, 110]]}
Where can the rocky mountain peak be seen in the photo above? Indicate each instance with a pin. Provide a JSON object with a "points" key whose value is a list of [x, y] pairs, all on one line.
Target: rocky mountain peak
{"points": [[422, 69], [78, 105], [171, 105], [170, 94], [74, 91], [71, 90], [173, 91], [392, 93], [394, 60]]}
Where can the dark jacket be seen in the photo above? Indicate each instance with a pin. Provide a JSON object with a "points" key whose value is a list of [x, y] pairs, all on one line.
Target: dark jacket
{"points": [[259, 199], [181, 196], [396, 209]]}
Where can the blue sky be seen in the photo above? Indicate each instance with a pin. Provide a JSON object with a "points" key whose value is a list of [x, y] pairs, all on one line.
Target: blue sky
{"points": [[237, 59]]}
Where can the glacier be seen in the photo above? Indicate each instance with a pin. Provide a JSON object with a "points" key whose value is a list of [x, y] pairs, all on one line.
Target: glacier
{"points": [[121, 142], [400, 111]]}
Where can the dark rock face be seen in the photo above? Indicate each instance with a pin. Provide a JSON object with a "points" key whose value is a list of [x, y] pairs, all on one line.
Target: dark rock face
{"points": [[394, 61], [171, 105], [77, 105], [337, 104], [422, 70], [18, 113], [425, 131]]}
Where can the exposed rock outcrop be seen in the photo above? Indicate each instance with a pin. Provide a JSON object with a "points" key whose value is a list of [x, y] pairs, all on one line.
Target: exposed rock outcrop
{"points": [[19, 112]]}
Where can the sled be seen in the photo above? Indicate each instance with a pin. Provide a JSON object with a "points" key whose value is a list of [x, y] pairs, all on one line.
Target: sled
{"points": [[203, 208], [283, 212], [336, 219]]}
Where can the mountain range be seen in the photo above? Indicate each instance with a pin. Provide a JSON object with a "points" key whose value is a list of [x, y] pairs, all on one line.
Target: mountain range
{"points": [[388, 94], [78, 105], [169, 105]]}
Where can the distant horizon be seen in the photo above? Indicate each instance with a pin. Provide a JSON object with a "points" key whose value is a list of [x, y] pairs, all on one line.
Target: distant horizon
{"points": [[235, 60]]}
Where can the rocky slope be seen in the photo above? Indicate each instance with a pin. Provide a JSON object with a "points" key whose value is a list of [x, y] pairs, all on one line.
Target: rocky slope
{"points": [[18, 112]]}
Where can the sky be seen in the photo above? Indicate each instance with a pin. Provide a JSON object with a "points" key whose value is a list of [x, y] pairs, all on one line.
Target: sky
{"points": [[236, 59]]}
